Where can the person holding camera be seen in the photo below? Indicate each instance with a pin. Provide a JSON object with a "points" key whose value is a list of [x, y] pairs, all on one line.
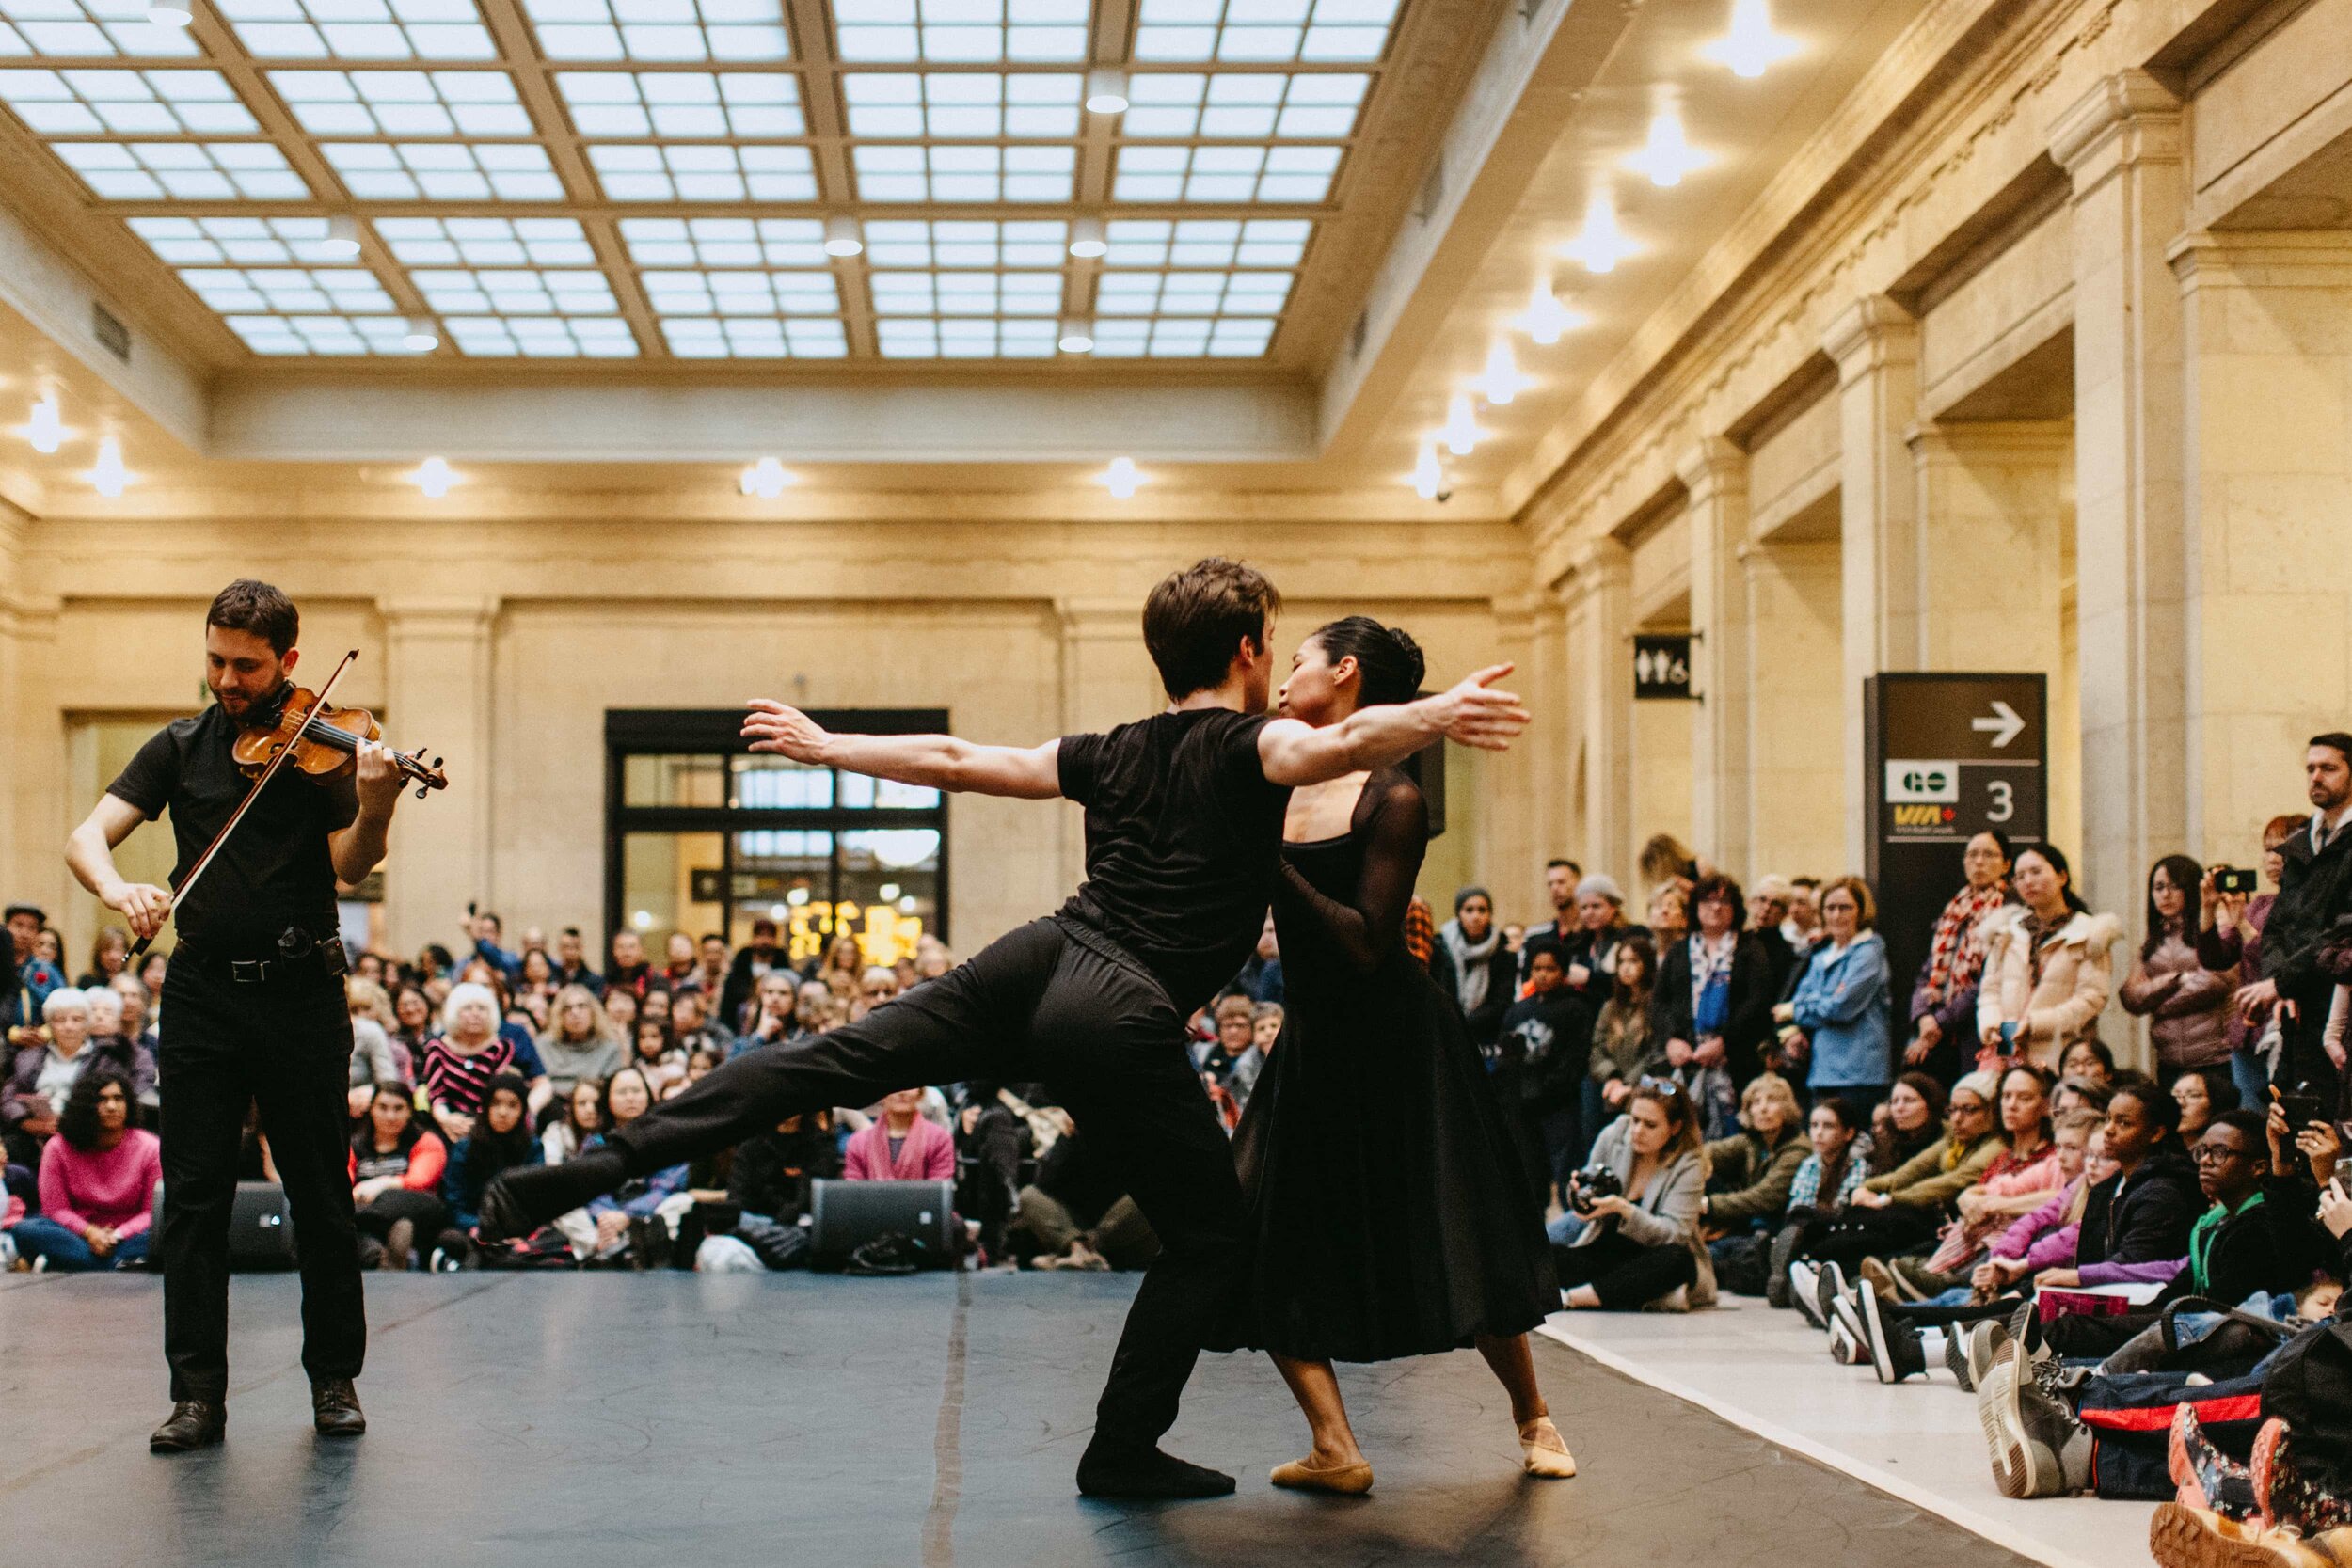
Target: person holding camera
{"points": [[2232, 912], [1632, 1237], [2186, 1003], [2049, 966], [2315, 889]]}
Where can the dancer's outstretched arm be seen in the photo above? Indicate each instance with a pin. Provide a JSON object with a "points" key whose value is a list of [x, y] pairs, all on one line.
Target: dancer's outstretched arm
{"points": [[940, 761], [1472, 712]]}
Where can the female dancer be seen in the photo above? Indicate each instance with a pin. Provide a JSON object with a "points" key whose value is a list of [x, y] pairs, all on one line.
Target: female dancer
{"points": [[1392, 1209]]}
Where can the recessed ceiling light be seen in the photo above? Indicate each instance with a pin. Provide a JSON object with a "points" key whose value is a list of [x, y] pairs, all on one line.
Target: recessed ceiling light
{"points": [[422, 336], [1120, 478], [1077, 334], [1751, 48], [45, 429], [171, 13], [1429, 474], [842, 236], [1106, 91], [1087, 238], [1544, 318], [1461, 432], [767, 479], [433, 477], [108, 477], [1601, 244], [1667, 155], [1502, 380], [342, 240]]}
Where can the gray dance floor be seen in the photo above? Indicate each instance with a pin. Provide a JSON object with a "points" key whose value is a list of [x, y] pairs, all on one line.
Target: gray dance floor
{"points": [[576, 1421]]}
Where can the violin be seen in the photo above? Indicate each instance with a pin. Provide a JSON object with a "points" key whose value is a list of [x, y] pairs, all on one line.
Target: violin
{"points": [[327, 745]]}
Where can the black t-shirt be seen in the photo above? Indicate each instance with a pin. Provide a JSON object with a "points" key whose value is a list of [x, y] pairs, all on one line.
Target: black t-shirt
{"points": [[274, 871], [1184, 843], [1546, 1042]]}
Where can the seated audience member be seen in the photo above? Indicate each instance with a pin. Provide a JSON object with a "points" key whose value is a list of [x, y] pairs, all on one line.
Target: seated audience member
{"points": [[1713, 1006], [1944, 1001], [1826, 1180], [580, 1041], [138, 1012], [769, 1176], [2136, 1223], [841, 967], [1905, 1207], [2048, 966], [1077, 1216], [501, 1139], [2018, 1181], [1624, 1052], [1642, 1246], [694, 1029], [460, 1061], [1749, 1177], [412, 1023], [396, 1169], [98, 1177], [2187, 1005], [621, 1005], [1836, 1019], [2320, 1143], [2089, 1061], [1560, 880], [109, 955], [580, 1123], [2044, 1238], [626, 1223], [1908, 1120], [662, 1063], [1471, 964], [2081, 1094], [45, 1074], [753, 962], [901, 1145], [1260, 976], [878, 985], [1236, 1029], [571, 961], [375, 1059], [2203, 1093], [1541, 1052], [771, 1012], [110, 1042]]}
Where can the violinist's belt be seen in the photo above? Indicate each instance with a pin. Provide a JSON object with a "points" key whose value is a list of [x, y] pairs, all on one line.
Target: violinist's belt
{"points": [[298, 953]]}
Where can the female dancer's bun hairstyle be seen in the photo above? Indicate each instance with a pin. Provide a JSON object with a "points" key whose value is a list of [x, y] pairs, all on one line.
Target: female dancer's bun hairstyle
{"points": [[1389, 660]]}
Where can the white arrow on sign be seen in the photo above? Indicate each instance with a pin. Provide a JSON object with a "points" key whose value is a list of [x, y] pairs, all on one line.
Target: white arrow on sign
{"points": [[2004, 726]]}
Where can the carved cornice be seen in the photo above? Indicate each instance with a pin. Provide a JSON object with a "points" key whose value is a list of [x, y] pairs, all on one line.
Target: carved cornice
{"points": [[1869, 335], [1714, 470], [2261, 259], [2129, 117]]}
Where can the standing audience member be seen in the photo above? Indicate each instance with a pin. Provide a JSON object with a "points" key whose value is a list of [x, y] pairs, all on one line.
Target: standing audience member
{"points": [[1640, 1245], [571, 962], [2188, 1005], [901, 1145], [1591, 948], [2229, 940], [1802, 929], [98, 1178], [1560, 880], [396, 1167], [1943, 1002], [2048, 966], [1713, 1009], [1837, 1016], [750, 964], [1542, 1052], [2314, 892], [1669, 917], [1624, 1050], [1472, 966], [1666, 859], [1260, 976]]}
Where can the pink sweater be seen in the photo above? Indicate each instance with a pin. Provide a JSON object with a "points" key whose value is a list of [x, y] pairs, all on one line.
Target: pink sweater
{"points": [[114, 1187], [927, 1154]]}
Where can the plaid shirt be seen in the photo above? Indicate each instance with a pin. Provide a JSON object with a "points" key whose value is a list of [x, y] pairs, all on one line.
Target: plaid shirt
{"points": [[1805, 1192]]}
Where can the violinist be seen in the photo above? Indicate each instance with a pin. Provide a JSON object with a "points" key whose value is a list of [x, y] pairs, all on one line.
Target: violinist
{"points": [[253, 1004]]}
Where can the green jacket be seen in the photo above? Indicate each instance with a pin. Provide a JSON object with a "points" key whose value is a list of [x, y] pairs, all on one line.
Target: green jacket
{"points": [[1938, 1173], [1749, 1182]]}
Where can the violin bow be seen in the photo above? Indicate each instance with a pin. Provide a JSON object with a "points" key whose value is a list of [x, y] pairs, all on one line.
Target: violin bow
{"points": [[318, 707]]}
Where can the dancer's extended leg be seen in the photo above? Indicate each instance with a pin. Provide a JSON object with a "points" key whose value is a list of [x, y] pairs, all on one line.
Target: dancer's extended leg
{"points": [[1337, 1465], [1542, 1451]]}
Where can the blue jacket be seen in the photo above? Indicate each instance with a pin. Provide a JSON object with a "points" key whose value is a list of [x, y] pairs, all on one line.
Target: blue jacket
{"points": [[1843, 1002], [462, 1182]]}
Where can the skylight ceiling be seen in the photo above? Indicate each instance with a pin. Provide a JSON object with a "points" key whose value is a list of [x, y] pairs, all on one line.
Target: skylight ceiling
{"points": [[652, 179]]}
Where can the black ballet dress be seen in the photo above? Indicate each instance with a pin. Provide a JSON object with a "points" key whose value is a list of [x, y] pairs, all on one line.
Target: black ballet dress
{"points": [[1390, 1209]]}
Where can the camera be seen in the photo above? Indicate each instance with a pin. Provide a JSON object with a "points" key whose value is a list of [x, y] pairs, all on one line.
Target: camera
{"points": [[1587, 1185], [2228, 878]]}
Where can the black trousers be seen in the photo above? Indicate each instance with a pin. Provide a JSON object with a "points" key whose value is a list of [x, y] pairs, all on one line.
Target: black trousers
{"points": [[2079, 1337], [1055, 1002], [1853, 1234], [1624, 1274], [284, 1044]]}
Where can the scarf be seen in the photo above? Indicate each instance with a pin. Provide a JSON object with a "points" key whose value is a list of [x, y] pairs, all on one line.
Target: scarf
{"points": [[1710, 982], [1954, 962], [1421, 930], [1470, 974]]}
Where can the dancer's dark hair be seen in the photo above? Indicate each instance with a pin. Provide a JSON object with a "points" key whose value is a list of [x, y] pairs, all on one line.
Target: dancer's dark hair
{"points": [[1196, 621], [1386, 658]]}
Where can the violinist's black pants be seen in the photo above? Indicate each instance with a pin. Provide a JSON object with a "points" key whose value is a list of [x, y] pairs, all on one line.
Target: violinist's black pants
{"points": [[285, 1045], [1052, 1001]]}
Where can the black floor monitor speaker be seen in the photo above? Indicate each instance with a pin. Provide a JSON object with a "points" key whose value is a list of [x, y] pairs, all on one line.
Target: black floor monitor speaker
{"points": [[845, 1215]]}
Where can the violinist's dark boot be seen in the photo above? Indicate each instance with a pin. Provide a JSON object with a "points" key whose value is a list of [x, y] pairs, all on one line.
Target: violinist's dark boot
{"points": [[526, 1198]]}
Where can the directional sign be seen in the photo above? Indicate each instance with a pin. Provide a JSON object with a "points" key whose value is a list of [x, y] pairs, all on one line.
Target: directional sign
{"points": [[1950, 755]]}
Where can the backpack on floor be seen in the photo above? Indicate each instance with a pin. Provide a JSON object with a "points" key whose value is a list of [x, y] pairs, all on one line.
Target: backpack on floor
{"points": [[2310, 1386]]}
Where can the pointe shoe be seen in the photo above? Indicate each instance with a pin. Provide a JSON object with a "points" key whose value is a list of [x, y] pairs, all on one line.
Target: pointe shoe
{"points": [[1544, 1452], [1351, 1480]]}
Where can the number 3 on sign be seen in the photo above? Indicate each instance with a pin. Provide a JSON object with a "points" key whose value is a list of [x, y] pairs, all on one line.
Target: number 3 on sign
{"points": [[2004, 801]]}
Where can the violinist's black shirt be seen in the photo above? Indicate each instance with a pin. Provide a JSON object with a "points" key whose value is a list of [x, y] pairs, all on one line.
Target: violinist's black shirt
{"points": [[274, 871]]}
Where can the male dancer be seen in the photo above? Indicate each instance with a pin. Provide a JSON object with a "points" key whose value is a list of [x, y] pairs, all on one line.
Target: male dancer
{"points": [[1183, 823], [253, 1008]]}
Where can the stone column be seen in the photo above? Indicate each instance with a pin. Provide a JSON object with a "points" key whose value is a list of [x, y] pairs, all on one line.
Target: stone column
{"points": [[1875, 343], [436, 690], [1797, 802], [32, 807], [1995, 555], [1600, 595], [2268, 339], [1715, 473], [2121, 145]]}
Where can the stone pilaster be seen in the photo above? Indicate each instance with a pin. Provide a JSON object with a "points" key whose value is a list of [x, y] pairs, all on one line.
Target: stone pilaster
{"points": [[1599, 594], [437, 658], [1715, 474]]}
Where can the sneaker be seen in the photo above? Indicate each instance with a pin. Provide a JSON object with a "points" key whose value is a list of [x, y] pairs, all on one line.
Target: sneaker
{"points": [[1956, 1355], [1893, 1343], [1777, 1291], [1880, 1278], [7, 1252], [1845, 1306], [1804, 1291], [2288, 1496], [2036, 1446], [1978, 1341], [2184, 1537], [1844, 1348], [2203, 1476]]}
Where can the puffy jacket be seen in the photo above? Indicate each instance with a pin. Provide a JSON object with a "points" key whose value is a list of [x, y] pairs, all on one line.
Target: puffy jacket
{"points": [[1939, 1173], [2189, 1013], [2077, 978]]}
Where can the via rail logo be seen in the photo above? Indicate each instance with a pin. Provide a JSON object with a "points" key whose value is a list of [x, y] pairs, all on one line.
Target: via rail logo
{"points": [[1923, 796]]}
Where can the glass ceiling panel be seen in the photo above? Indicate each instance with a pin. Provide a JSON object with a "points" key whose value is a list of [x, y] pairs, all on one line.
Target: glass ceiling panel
{"points": [[1191, 294], [965, 243], [888, 173], [183, 171], [683, 104], [541, 337], [921, 339], [961, 31], [966, 294], [741, 294], [88, 29], [725, 242], [359, 29], [240, 242], [404, 103], [321, 334], [754, 338], [1172, 337], [661, 29], [289, 291], [1243, 106], [444, 171], [962, 105], [1206, 242], [1273, 30], [690, 173], [514, 291], [486, 242], [126, 102], [1288, 174]]}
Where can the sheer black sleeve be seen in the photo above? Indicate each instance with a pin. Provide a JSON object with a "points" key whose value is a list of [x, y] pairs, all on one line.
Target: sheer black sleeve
{"points": [[1393, 823]]}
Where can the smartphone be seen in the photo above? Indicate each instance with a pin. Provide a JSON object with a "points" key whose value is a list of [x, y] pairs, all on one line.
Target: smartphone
{"points": [[2008, 1039], [2229, 879], [2301, 1109]]}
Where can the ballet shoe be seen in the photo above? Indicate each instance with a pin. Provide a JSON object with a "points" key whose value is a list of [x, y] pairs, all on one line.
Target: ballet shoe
{"points": [[1538, 1457], [1349, 1480]]}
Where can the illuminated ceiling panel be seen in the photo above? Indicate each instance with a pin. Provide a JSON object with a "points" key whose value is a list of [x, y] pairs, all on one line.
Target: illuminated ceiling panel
{"points": [[754, 338], [444, 171], [628, 105], [404, 103], [541, 337], [965, 243], [1243, 105], [693, 173], [740, 294], [1271, 30], [1206, 242], [231, 241], [359, 29], [88, 29], [1172, 337], [661, 29], [920, 338], [961, 31], [1192, 294], [129, 103], [962, 105], [725, 242], [183, 171], [486, 242], [1224, 174], [966, 294], [964, 174]]}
